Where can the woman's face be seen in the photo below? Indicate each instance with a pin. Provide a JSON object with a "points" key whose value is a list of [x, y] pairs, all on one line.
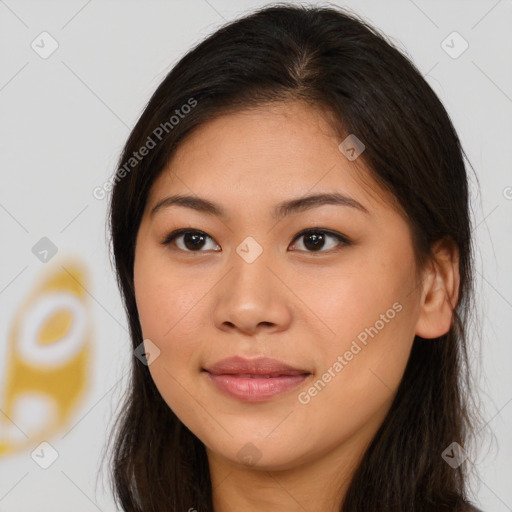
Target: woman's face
{"points": [[341, 313]]}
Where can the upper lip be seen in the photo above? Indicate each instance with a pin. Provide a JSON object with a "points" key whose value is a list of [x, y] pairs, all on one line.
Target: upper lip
{"points": [[261, 366]]}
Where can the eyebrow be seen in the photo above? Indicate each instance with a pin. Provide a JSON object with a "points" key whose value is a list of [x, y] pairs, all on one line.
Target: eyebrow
{"points": [[281, 210]]}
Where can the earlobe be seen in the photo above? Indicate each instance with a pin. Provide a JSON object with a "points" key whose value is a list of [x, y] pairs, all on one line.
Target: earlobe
{"points": [[440, 290]]}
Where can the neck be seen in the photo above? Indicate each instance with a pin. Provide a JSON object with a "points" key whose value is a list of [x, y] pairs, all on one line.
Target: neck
{"points": [[314, 485]]}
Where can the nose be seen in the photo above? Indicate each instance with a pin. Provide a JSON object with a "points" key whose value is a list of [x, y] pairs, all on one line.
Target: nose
{"points": [[252, 297]]}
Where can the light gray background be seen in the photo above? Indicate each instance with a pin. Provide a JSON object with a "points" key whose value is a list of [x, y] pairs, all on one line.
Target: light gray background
{"points": [[63, 123]]}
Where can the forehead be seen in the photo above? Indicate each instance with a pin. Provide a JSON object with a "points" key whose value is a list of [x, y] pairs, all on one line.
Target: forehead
{"points": [[267, 153], [280, 135]]}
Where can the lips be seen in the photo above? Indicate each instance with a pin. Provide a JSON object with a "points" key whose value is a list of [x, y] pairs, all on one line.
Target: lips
{"points": [[263, 367], [254, 380]]}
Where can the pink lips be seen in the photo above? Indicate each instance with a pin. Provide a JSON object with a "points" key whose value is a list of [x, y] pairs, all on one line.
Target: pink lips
{"points": [[254, 380]]}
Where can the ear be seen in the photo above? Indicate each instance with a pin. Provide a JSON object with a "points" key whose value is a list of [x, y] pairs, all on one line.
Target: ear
{"points": [[440, 290]]}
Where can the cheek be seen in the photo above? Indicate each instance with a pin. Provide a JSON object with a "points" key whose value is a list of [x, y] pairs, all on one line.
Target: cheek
{"points": [[371, 315], [355, 387], [169, 314], [166, 299], [345, 302]]}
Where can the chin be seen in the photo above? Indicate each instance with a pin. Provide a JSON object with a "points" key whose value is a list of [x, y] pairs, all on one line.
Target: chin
{"points": [[259, 454]]}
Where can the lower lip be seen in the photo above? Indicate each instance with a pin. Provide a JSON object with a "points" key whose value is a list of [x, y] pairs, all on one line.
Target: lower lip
{"points": [[256, 389]]}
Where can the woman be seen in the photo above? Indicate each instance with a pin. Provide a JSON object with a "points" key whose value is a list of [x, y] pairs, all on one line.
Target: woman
{"points": [[292, 241]]}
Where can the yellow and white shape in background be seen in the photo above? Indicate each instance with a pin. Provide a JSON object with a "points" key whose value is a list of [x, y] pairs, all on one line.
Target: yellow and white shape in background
{"points": [[47, 360]]}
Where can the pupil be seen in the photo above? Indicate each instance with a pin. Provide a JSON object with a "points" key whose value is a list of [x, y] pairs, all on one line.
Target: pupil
{"points": [[317, 241], [196, 240]]}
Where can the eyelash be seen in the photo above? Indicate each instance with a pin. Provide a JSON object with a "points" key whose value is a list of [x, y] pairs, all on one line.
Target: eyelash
{"points": [[344, 241]]}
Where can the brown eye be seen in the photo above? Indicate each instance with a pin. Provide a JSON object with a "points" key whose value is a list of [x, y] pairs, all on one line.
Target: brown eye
{"points": [[188, 240], [313, 240], [318, 240]]}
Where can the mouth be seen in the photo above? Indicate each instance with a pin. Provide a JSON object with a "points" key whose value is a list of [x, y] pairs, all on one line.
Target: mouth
{"points": [[254, 380]]}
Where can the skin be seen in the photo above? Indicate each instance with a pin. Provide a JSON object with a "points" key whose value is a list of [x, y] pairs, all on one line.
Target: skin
{"points": [[292, 303]]}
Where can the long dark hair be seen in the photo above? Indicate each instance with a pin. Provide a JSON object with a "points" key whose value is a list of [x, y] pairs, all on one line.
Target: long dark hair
{"points": [[337, 62]]}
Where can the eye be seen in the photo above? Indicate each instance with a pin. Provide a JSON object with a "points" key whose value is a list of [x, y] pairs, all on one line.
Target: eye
{"points": [[191, 240], [315, 240]]}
